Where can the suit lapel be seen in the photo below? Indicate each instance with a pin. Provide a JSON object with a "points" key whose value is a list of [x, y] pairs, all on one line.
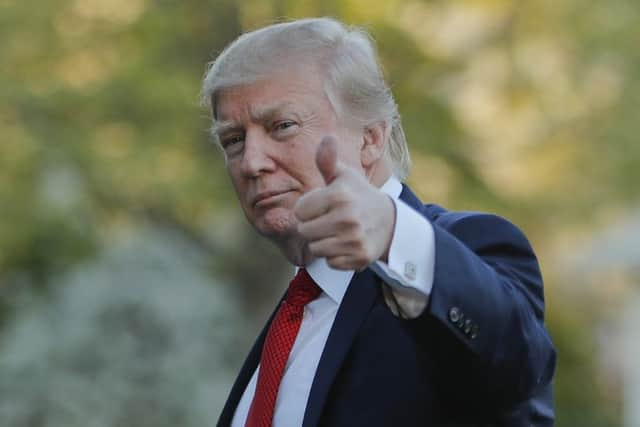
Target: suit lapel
{"points": [[412, 200], [353, 310], [246, 372]]}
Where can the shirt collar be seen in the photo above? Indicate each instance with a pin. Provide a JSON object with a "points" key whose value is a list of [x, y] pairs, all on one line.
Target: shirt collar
{"points": [[393, 187], [335, 282]]}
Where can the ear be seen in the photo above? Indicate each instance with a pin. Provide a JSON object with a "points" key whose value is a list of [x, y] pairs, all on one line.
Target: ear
{"points": [[374, 140]]}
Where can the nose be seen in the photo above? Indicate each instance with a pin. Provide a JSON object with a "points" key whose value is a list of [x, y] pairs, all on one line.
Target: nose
{"points": [[256, 159]]}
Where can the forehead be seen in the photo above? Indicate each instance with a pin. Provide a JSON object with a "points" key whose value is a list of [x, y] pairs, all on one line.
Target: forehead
{"points": [[293, 89]]}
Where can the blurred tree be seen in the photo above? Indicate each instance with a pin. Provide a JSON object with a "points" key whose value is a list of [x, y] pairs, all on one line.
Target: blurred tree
{"points": [[522, 108]]}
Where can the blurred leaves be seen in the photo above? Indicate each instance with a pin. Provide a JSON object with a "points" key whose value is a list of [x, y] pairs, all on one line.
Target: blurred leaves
{"points": [[527, 109]]}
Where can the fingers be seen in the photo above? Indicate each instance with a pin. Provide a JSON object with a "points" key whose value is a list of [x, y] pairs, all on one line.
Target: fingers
{"points": [[326, 248], [320, 201], [312, 205], [318, 228], [339, 253], [347, 262], [323, 226], [327, 159]]}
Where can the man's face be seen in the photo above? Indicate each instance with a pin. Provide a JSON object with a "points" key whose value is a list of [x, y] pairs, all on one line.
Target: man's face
{"points": [[270, 132]]}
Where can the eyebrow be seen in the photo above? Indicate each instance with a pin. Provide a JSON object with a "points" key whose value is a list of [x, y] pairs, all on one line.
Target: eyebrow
{"points": [[259, 114], [221, 127]]}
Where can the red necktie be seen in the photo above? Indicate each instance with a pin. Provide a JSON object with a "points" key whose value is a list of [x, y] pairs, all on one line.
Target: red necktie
{"points": [[277, 346]]}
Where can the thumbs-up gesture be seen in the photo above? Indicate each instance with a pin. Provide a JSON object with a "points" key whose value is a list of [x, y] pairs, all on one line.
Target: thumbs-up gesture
{"points": [[349, 222]]}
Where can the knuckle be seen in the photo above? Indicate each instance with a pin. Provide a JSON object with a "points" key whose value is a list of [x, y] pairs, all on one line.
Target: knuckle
{"points": [[353, 243], [303, 228], [350, 211], [368, 256], [333, 262], [363, 256], [358, 237], [362, 253], [346, 221], [349, 217], [318, 248], [314, 248], [360, 263], [299, 210], [340, 195], [335, 198]]}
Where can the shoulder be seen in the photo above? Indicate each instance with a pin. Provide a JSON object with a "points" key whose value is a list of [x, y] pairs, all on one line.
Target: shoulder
{"points": [[466, 224], [480, 229]]}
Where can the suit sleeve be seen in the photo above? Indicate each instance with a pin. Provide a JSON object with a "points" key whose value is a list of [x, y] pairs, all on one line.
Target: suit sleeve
{"points": [[486, 309]]}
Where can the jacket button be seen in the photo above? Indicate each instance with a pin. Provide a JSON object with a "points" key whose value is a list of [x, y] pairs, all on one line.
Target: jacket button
{"points": [[474, 332], [467, 327], [454, 314], [460, 322]]}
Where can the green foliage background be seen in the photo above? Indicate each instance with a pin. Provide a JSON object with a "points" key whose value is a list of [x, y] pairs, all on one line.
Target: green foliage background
{"points": [[527, 109]]}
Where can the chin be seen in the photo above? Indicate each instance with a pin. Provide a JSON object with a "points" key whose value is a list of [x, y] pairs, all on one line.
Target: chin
{"points": [[277, 224]]}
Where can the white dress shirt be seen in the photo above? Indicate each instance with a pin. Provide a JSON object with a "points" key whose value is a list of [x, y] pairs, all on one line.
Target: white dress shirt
{"points": [[409, 273]]}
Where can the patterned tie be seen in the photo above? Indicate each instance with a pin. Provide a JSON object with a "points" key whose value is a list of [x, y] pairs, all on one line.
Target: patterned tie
{"points": [[277, 346]]}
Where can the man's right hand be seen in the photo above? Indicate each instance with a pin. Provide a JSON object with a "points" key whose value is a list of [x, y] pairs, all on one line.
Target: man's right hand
{"points": [[349, 222]]}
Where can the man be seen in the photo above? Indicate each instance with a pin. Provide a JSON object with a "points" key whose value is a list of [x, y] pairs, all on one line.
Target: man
{"points": [[401, 314]]}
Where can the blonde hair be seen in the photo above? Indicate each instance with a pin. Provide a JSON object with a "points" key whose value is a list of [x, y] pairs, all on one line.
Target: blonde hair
{"points": [[354, 82]]}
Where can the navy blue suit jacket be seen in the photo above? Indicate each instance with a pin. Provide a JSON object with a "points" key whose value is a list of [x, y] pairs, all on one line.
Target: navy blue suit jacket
{"points": [[479, 355]]}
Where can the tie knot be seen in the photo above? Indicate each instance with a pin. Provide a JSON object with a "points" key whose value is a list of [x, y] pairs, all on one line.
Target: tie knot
{"points": [[302, 289]]}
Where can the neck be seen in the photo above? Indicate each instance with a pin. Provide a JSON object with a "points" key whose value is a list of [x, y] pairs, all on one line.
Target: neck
{"points": [[379, 173], [296, 251]]}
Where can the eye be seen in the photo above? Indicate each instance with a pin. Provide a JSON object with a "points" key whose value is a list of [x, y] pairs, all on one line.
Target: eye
{"points": [[230, 140], [283, 125]]}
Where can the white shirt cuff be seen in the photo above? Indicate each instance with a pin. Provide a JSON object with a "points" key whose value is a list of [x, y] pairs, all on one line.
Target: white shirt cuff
{"points": [[410, 268]]}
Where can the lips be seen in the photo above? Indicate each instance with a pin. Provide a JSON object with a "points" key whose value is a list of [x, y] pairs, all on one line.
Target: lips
{"points": [[267, 197]]}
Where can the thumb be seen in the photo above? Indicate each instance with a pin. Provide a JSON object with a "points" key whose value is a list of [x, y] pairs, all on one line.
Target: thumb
{"points": [[327, 159]]}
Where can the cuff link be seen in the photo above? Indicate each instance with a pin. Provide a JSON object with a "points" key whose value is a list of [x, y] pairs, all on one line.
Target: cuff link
{"points": [[410, 270]]}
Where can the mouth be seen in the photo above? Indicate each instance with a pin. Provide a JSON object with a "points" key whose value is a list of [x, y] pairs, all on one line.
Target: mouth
{"points": [[268, 197]]}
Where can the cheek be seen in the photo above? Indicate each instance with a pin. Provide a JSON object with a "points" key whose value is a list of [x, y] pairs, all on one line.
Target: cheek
{"points": [[300, 164], [238, 183], [309, 177]]}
